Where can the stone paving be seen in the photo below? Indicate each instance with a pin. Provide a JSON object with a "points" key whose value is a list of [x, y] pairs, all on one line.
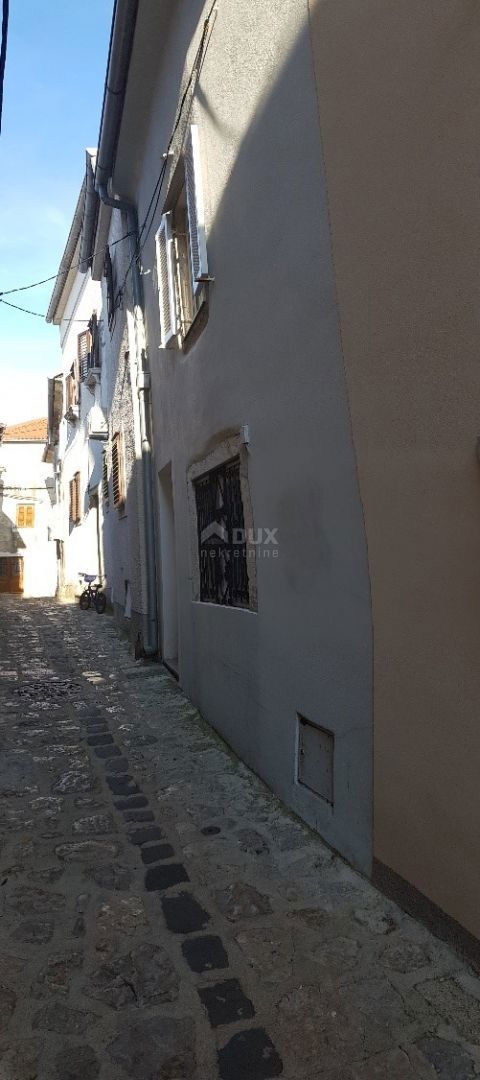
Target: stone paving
{"points": [[164, 918]]}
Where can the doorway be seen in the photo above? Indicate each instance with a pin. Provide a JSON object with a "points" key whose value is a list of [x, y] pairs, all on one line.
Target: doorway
{"points": [[11, 574], [169, 606]]}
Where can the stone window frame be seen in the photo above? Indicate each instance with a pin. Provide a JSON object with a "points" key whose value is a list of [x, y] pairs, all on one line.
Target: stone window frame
{"points": [[226, 449]]}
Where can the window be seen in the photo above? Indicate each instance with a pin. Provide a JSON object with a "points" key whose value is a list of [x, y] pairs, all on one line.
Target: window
{"points": [[182, 265], [88, 352], [221, 536], [75, 495], [25, 516], [110, 279], [71, 388], [84, 345], [105, 476], [118, 471]]}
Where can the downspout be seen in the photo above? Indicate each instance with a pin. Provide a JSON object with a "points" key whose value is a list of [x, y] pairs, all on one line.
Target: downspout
{"points": [[121, 42], [150, 642]]}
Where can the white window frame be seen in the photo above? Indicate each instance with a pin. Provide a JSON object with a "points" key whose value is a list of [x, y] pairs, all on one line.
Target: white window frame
{"points": [[196, 210], [166, 297]]}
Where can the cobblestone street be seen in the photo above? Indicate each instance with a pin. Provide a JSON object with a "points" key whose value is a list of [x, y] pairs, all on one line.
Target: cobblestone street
{"points": [[164, 918]]}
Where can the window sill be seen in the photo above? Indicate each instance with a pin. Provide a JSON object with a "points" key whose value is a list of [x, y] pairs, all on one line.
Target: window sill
{"points": [[198, 325], [225, 607]]}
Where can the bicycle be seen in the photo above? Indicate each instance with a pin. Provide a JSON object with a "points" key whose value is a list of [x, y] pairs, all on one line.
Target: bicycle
{"points": [[93, 594]]}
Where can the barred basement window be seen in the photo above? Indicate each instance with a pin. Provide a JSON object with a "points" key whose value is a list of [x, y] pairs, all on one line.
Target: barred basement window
{"points": [[221, 537], [105, 491], [118, 471]]}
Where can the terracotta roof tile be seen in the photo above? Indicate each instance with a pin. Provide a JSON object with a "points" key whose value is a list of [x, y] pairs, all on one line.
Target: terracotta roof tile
{"points": [[29, 431]]}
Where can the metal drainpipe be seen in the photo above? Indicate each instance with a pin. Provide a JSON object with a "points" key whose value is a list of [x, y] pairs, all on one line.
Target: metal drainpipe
{"points": [[150, 642]]}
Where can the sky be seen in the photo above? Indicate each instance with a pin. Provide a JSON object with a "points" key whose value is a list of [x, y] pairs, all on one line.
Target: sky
{"points": [[53, 91]]}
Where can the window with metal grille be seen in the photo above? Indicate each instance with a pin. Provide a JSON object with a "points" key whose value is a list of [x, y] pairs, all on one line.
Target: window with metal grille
{"points": [[75, 494], [25, 516], [118, 471], [221, 536], [105, 476]]}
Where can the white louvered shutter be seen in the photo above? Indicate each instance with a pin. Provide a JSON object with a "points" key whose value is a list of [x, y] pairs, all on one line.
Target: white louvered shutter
{"points": [[195, 206], [166, 283]]}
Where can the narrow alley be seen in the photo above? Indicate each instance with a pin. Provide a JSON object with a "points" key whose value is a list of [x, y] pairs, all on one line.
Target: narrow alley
{"points": [[164, 918]]}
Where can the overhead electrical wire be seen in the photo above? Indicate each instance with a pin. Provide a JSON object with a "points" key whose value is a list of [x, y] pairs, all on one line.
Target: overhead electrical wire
{"points": [[39, 314], [155, 198], [74, 266]]}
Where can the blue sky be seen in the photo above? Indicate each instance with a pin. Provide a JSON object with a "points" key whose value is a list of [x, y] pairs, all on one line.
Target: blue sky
{"points": [[56, 61]]}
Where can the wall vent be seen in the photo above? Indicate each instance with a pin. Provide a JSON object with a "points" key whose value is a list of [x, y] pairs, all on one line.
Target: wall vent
{"points": [[315, 756]]}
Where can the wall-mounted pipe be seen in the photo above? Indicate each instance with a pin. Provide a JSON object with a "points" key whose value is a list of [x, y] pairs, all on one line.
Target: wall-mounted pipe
{"points": [[121, 41], [150, 641]]}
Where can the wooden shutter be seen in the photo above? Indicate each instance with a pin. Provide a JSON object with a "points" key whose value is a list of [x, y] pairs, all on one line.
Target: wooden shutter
{"points": [[166, 283], [84, 350], [78, 494], [21, 517], [105, 476], [95, 341], [118, 471], [74, 492], [29, 516], [195, 207]]}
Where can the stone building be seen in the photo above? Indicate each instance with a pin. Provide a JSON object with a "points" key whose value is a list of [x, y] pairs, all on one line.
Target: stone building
{"points": [[76, 421]]}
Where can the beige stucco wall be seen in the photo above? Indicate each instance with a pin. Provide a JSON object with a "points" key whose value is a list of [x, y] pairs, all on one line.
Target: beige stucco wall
{"points": [[399, 96]]}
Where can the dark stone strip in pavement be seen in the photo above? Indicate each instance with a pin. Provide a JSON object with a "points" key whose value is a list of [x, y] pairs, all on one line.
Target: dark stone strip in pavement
{"points": [[137, 815], [183, 914], [116, 765], [225, 1003], [164, 877], [124, 785], [134, 802], [143, 836], [99, 740], [249, 1055], [156, 852], [107, 751], [205, 953]]}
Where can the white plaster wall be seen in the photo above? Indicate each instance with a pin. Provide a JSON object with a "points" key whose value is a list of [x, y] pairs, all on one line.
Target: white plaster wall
{"points": [[76, 452], [120, 528], [27, 479]]}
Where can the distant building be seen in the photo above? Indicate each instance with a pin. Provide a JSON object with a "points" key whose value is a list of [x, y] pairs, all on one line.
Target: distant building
{"points": [[27, 549], [76, 419]]}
